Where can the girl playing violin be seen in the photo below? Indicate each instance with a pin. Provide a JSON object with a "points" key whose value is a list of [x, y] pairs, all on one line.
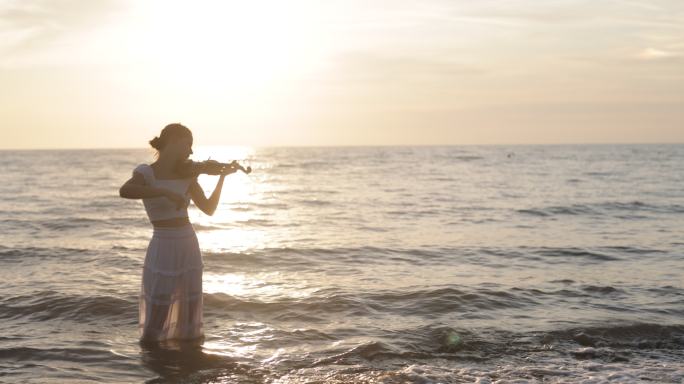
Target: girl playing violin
{"points": [[170, 305]]}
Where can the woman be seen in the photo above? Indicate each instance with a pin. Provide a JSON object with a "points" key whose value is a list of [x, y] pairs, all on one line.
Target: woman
{"points": [[171, 290]]}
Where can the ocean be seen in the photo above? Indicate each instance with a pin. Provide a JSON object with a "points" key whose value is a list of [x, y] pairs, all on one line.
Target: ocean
{"points": [[436, 264]]}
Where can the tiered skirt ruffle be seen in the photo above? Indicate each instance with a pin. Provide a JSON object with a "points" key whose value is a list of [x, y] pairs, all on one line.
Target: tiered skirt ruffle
{"points": [[171, 289]]}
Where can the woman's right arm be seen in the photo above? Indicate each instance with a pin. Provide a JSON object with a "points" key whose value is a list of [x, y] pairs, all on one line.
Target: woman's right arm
{"points": [[135, 188]]}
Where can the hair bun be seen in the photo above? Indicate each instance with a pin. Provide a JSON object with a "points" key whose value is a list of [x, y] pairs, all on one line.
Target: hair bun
{"points": [[156, 143], [169, 132]]}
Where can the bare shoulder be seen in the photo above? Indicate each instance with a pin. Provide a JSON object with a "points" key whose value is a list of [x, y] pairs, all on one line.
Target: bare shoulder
{"points": [[138, 176]]}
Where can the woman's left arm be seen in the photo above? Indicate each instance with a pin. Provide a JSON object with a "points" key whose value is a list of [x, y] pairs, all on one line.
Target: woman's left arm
{"points": [[208, 206]]}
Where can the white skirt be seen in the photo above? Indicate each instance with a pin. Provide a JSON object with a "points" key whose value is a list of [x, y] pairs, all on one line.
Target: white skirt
{"points": [[171, 290]]}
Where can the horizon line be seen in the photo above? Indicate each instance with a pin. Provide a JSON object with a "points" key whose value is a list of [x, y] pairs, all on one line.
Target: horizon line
{"points": [[352, 146]]}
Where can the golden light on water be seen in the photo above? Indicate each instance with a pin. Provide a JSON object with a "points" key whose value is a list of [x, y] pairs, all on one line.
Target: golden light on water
{"points": [[224, 231], [261, 286], [228, 349], [228, 230], [232, 240]]}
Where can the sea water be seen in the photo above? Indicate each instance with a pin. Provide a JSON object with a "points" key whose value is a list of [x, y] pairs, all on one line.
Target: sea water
{"points": [[461, 264]]}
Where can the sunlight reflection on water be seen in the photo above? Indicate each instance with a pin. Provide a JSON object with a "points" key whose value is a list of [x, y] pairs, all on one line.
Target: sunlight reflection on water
{"points": [[232, 240], [240, 193], [257, 286]]}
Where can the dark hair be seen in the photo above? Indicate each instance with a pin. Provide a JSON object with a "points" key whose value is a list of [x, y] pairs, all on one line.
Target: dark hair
{"points": [[170, 131]]}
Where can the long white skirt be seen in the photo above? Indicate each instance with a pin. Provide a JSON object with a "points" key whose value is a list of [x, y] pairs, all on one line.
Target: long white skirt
{"points": [[171, 289]]}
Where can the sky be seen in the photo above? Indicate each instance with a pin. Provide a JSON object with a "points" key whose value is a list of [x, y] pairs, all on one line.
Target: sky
{"points": [[112, 73]]}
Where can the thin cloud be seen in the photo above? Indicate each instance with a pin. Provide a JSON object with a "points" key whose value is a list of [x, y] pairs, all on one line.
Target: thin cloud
{"points": [[36, 24], [650, 54], [371, 66]]}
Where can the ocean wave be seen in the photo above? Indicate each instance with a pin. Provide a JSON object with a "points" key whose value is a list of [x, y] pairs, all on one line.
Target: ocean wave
{"points": [[73, 354], [633, 209], [365, 352], [547, 255], [287, 257], [427, 302], [438, 341], [270, 205], [368, 255], [307, 191], [254, 223], [630, 335], [466, 158], [293, 256], [48, 305], [313, 202], [456, 157], [603, 290], [633, 250], [573, 253], [70, 223], [32, 254], [667, 290], [240, 208], [303, 165], [583, 292], [555, 255], [430, 303]]}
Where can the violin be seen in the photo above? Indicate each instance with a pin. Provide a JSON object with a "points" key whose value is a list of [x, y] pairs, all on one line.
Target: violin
{"points": [[191, 168]]}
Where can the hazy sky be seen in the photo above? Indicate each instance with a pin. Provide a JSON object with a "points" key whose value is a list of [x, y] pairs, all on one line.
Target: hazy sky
{"points": [[112, 73]]}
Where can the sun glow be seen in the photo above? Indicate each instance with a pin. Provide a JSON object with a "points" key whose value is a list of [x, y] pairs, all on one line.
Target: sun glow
{"points": [[220, 47]]}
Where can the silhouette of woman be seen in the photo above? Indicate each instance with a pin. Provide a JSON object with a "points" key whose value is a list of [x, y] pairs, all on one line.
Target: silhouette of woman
{"points": [[170, 304]]}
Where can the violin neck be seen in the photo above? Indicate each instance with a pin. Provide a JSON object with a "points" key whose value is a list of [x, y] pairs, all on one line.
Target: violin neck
{"points": [[189, 168]]}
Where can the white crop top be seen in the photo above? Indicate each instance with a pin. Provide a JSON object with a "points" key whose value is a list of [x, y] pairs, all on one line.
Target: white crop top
{"points": [[160, 208]]}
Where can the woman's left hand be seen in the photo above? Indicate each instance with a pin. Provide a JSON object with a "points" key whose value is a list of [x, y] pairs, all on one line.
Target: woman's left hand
{"points": [[231, 168], [212, 167]]}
